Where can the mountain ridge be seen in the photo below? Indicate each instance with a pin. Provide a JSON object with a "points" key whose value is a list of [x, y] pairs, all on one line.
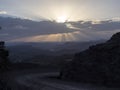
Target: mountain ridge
{"points": [[98, 64]]}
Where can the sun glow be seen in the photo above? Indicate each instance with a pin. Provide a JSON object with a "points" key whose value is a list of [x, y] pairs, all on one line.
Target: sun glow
{"points": [[61, 19]]}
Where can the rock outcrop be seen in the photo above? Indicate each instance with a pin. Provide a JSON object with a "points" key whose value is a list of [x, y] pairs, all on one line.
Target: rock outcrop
{"points": [[3, 56], [4, 64], [98, 64]]}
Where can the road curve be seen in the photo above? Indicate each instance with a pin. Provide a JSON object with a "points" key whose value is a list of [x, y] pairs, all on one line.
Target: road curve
{"points": [[39, 82]]}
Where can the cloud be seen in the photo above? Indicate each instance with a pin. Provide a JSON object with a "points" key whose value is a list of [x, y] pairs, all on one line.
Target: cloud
{"points": [[3, 12], [116, 19], [23, 30], [47, 9], [20, 27], [107, 25]]}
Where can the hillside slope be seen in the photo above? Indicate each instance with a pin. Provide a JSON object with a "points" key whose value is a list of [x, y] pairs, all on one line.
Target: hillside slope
{"points": [[98, 64]]}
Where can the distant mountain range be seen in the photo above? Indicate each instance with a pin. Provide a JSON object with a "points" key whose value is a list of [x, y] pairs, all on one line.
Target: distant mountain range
{"points": [[25, 52]]}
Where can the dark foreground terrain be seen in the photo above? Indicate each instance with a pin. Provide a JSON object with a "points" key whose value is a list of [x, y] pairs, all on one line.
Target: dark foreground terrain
{"points": [[100, 64], [97, 68], [42, 78]]}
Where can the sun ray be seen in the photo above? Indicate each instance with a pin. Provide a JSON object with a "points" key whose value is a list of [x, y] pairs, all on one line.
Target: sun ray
{"points": [[60, 37]]}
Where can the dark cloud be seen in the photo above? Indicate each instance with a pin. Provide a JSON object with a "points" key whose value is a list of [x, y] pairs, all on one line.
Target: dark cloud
{"points": [[19, 28], [97, 25], [23, 29]]}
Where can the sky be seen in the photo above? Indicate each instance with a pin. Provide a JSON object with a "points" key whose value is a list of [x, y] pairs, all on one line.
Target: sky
{"points": [[92, 20], [73, 10], [23, 30]]}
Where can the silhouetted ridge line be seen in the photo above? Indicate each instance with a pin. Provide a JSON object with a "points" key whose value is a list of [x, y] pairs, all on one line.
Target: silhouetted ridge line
{"points": [[115, 38], [98, 64]]}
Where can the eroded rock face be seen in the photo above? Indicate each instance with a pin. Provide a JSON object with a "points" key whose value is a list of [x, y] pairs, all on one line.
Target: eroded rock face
{"points": [[99, 63]]}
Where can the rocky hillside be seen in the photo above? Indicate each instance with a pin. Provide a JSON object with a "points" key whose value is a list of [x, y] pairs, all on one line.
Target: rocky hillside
{"points": [[3, 56], [98, 64], [4, 63]]}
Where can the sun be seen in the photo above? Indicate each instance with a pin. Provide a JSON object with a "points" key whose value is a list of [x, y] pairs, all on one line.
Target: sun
{"points": [[61, 19]]}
